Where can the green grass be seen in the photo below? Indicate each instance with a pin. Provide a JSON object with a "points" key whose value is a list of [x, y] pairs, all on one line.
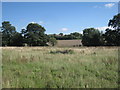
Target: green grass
{"points": [[36, 67]]}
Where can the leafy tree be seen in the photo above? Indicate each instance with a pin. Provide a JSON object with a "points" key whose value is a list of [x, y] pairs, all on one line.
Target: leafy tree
{"points": [[23, 32], [17, 40], [115, 22], [76, 35], [53, 41], [112, 37], [70, 36], [91, 37], [8, 32], [61, 34], [34, 35]]}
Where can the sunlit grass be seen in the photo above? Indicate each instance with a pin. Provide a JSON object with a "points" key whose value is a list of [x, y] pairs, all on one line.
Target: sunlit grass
{"points": [[36, 67]]}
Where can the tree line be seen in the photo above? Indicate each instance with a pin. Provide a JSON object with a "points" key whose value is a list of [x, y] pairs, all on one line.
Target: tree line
{"points": [[71, 36], [34, 35]]}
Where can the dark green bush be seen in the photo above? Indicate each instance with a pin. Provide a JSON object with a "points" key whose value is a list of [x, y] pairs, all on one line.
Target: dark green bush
{"points": [[62, 52]]}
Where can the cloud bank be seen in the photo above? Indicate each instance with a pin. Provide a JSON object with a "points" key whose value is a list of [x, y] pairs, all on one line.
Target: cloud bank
{"points": [[109, 5], [64, 29]]}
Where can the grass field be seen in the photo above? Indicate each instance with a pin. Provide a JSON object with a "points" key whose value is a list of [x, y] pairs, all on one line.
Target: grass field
{"points": [[36, 67], [68, 43]]}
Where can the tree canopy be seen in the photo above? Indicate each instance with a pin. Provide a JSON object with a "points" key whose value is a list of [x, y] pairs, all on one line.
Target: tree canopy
{"points": [[115, 22], [112, 37], [71, 36], [34, 35], [8, 32], [91, 37]]}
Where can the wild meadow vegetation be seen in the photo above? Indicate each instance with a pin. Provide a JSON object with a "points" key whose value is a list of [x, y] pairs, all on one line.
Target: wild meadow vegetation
{"points": [[38, 65], [53, 67]]}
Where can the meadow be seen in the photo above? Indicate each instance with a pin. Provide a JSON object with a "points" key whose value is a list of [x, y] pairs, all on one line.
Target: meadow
{"points": [[37, 67]]}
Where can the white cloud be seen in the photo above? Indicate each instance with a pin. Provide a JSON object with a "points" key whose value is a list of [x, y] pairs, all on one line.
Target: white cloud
{"points": [[64, 29], [99, 28], [109, 5], [40, 22], [32, 22], [103, 28], [23, 28], [81, 32]]}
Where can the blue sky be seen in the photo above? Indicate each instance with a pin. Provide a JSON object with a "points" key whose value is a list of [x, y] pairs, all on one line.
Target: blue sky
{"points": [[66, 17]]}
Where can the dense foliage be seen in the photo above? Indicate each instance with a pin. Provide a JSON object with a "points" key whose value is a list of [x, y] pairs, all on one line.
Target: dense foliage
{"points": [[34, 35], [52, 41], [112, 37], [70, 36], [92, 37], [10, 37]]}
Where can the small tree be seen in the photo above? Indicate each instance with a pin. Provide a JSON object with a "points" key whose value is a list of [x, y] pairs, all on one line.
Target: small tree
{"points": [[91, 37], [53, 41], [61, 34], [8, 32]]}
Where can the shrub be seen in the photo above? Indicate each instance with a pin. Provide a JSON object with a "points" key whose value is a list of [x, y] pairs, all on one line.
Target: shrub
{"points": [[63, 52]]}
